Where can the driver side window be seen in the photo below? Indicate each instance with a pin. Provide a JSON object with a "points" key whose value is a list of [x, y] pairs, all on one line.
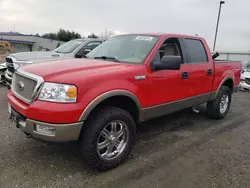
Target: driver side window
{"points": [[170, 47]]}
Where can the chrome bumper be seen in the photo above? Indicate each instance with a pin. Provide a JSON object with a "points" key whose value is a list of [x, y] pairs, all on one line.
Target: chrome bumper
{"points": [[244, 86], [8, 77], [2, 75]]}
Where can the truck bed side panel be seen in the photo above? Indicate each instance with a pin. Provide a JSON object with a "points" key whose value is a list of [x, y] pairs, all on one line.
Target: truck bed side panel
{"points": [[224, 70]]}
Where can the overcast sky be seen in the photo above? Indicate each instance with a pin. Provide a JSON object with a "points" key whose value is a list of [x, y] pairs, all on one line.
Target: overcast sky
{"points": [[174, 16]]}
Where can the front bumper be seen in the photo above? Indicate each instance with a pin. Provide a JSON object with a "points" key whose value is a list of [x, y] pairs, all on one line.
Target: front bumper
{"points": [[62, 132], [2, 74], [244, 86], [61, 120], [56, 133], [8, 78]]}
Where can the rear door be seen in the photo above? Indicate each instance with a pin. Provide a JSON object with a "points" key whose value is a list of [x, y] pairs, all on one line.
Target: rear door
{"points": [[199, 68]]}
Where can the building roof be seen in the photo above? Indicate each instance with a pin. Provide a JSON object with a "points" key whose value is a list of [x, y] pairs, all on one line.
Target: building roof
{"points": [[20, 34], [18, 41]]}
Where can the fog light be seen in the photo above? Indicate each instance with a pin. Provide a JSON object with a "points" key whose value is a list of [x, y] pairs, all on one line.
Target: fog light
{"points": [[45, 130]]}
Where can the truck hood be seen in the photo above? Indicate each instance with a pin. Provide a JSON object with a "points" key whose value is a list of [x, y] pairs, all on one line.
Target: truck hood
{"points": [[68, 70], [245, 75], [37, 56]]}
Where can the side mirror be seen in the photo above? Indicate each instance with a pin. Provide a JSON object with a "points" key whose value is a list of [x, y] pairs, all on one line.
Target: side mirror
{"points": [[86, 50], [79, 54], [82, 52], [167, 63]]}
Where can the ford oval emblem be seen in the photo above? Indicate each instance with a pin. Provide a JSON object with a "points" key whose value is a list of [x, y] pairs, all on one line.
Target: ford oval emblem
{"points": [[20, 85]]}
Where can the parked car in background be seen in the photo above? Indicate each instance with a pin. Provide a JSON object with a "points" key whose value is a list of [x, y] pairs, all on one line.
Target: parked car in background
{"points": [[245, 80], [99, 100], [3, 68], [73, 49], [245, 66]]}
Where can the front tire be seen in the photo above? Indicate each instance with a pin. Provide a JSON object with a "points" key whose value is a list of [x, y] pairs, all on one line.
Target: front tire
{"points": [[219, 107], [108, 138]]}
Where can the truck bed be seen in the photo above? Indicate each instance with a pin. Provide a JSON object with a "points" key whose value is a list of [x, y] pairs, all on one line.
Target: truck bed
{"points": [[234, 71]]}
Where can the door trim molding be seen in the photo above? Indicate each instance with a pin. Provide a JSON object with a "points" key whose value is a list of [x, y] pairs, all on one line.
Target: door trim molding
{"points": [[167, 108]]}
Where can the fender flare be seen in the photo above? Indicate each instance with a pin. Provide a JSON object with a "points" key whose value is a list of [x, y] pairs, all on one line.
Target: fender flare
{"points": [[214, 94], [91, 106]]}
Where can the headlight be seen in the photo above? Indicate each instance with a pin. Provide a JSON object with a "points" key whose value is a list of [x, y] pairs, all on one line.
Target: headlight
{"points": [[56, 92], [16, 66], [242, 80]]}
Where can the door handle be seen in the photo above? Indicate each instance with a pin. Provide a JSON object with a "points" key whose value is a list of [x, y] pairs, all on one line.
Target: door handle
{"points": [[209, 72], [184, 75]]}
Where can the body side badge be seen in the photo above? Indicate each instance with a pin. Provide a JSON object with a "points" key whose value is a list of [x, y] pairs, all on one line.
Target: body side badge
{"points": [[142, 77]]}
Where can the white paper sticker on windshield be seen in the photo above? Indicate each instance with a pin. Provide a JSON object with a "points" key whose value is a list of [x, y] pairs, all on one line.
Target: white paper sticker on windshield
{"points": [[146, 38]]}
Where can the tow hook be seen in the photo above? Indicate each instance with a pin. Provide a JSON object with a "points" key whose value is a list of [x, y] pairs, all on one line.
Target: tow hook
{"points": [[27, 135]]}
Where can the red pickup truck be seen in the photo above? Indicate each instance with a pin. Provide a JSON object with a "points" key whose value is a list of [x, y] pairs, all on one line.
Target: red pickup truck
{"points": [[128, 79]]}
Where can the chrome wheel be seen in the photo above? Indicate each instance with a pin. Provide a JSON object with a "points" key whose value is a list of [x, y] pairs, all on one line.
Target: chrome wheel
{"points": [[224, 103], [112, 140]]}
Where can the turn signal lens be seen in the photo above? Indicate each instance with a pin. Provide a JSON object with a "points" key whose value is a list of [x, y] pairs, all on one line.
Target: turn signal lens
{"points": [[72, 92]]}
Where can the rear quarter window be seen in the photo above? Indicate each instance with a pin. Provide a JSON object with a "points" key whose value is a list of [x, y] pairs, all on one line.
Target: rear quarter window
{"points": [[196, 51]]}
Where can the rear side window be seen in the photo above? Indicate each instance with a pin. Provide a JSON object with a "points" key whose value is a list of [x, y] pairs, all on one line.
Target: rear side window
{"points": [[196, 51]]}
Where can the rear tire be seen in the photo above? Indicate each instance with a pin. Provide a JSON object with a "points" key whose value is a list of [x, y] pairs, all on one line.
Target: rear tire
{"points": [[219, 107], [100, 131]]}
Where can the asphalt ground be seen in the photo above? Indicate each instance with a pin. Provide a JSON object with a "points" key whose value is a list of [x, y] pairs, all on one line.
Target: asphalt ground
{"points": [[183, 149]]}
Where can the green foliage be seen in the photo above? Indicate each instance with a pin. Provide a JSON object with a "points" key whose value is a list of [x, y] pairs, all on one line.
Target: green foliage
{"points": [[93, 36], [63, 35], [50, 36]]}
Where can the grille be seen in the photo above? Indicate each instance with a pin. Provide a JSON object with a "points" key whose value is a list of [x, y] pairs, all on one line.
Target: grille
{"points": [[10, 65], [248, 81], [23, 87]]}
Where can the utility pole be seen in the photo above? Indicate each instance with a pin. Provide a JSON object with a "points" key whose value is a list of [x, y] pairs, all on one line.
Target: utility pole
{"points": [[218, 21], [106, 33]]}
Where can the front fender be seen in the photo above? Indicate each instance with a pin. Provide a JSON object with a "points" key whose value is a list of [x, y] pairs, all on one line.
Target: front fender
{"points": [[118, 92], [97, 93]]}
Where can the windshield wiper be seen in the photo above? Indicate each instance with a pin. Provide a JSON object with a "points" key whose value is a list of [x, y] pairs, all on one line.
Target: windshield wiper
{"points": [[107, 57]]}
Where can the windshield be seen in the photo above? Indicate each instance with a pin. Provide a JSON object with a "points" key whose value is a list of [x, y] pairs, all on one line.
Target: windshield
{"points": [[69, 47], [125, 48]]}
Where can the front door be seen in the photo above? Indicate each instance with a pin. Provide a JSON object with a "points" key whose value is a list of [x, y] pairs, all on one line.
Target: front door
{"points": [[167, 88]]}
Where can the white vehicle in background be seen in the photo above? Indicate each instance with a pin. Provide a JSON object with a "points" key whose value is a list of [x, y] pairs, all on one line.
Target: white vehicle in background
{"points": [[76, 48], [245, 65], [245, 77], [3, 68]]}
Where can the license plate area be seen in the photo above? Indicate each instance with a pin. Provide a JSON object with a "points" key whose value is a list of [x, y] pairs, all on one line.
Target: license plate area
{"points": [[15, 116]]}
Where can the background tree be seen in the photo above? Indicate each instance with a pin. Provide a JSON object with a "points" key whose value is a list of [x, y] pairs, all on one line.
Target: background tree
{"points": [[93, 36], [50, 36], [63, 35]]}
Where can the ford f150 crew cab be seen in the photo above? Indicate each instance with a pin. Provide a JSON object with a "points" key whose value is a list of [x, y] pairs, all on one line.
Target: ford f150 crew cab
{"points": [[126, 80], [72, 49]]}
